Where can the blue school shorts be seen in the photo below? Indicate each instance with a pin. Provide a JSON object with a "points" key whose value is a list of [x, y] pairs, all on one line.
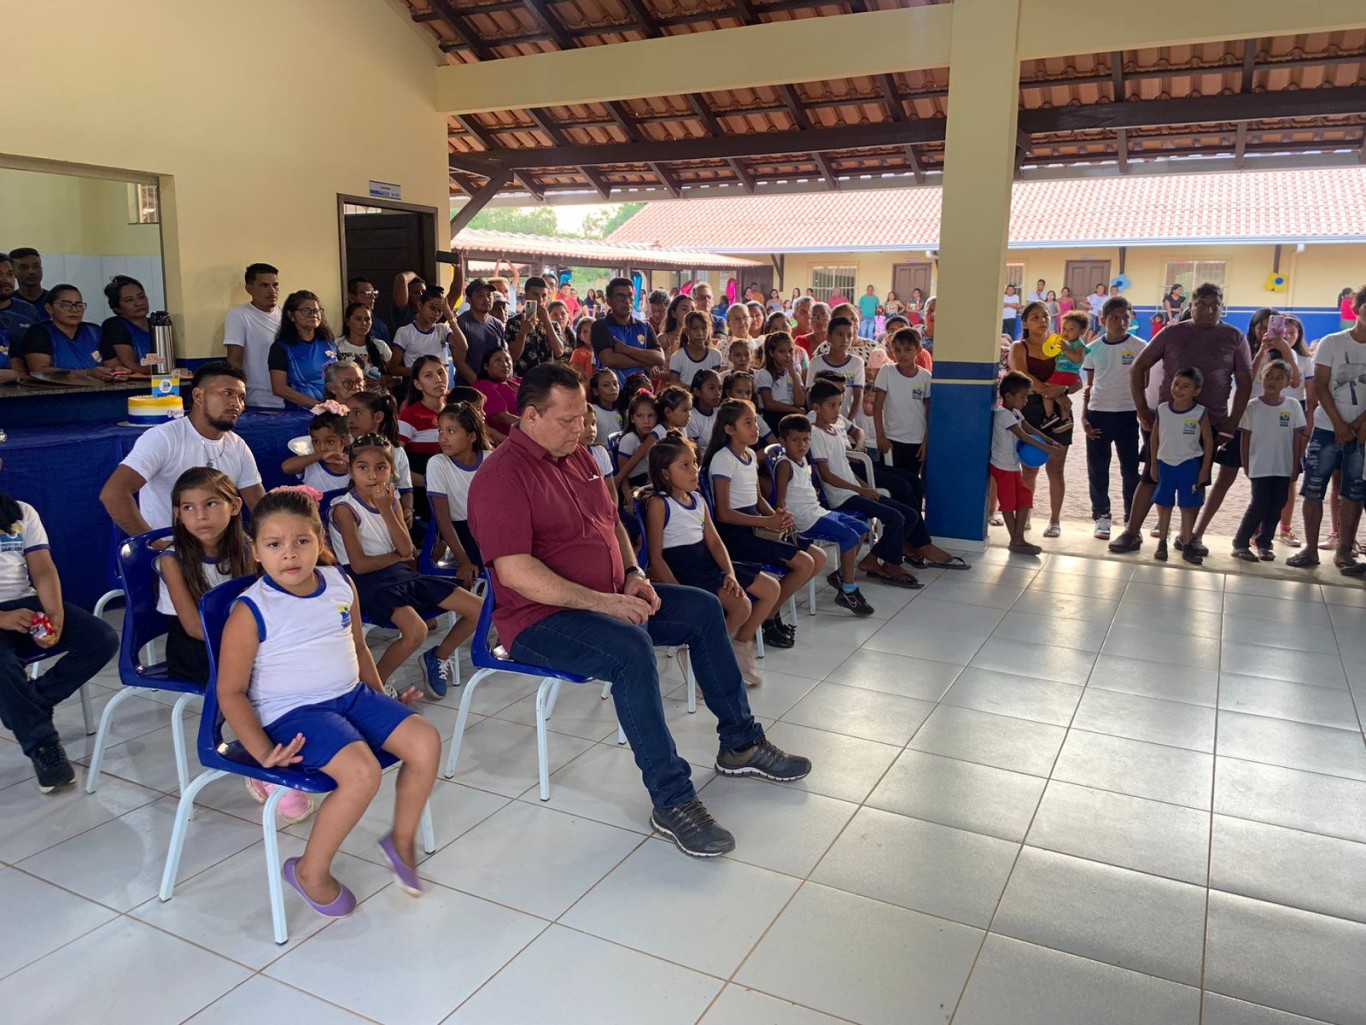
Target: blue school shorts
{"points": [[362, 713], [1176, 485]]}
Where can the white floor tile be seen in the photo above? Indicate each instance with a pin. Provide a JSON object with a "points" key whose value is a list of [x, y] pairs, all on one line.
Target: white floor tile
{"points": [[806, 659], [260, 997], [1290, 797], [1288, 959], [843, 767], [1295, 745], [1137, 768], [997, 740], [1276, 610], [861, 959], [1222, 1010], [1138, 617], [119, 863], [532, 858], [926, 611], [740, 1006], [1281, 664], [901, 675], [929, 642], [1146, 836], [952, 873], [1317, 637], [573, 979], [1323, 706], [425, 956], [781, 690], [500, 756], [132, 972], [1023, 697], [226, 908], [1045, 661], [1128, 919], [604, 785], [45, 917], [35, 821], [715, 908], [1138, 718], [579, 712], [855, 712], [1051, 627], [785, 829], [1155, 679], [1180, 649], [958, 793], [15, 766], [1200, 580], [1024, 984], [1170, 596]]}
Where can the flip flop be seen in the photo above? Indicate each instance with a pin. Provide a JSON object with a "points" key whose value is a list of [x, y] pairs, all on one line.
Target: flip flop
{"points": [[906, 581], [406, 875], [1356, 569], [954, 562], [1305, 558], [339, 908]]}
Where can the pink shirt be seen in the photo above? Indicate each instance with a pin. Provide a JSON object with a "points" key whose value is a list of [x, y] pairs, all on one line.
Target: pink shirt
{"points": [[499, 396]]}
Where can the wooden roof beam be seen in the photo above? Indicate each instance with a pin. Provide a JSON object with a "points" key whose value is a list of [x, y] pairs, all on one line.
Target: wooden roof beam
{"points": [[491, 143], [478, 201]]}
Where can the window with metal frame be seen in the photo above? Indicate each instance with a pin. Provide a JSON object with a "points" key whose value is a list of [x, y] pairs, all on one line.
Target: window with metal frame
{"points": [[144, 204], [828, 282], [1015, 276], [1191, 273]]}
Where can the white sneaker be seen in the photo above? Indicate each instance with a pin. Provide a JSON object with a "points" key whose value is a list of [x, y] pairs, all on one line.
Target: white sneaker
{"points": [[1103, 528]]}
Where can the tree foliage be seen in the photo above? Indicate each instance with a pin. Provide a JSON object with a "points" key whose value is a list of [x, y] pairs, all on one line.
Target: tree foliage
{"points": [[602, 223], [538, 220]]}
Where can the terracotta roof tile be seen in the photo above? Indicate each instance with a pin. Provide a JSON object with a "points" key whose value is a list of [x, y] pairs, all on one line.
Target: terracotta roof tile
{"points": [[1246, 206]]}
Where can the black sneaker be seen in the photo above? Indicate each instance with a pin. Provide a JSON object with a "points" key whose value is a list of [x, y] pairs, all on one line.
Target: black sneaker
{"points": [[833, 579], [1189, 554], [1161, 554], [776, 636], [52, 767], [1126, 542], [854, 602], [763, 759], [693, 830], [1193, 546]]}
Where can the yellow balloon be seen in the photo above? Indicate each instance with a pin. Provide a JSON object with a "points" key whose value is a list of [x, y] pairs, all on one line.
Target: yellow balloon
{"points": [[1052, 345]]}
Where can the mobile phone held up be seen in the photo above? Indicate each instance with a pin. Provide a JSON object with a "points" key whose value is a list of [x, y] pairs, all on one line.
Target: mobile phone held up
{"points": [[532, 305], [1275, 326]]}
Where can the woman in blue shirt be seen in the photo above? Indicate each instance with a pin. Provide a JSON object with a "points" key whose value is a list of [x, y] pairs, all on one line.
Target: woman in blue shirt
{"points": [[66, 342], [302, 348], [126, 337]]}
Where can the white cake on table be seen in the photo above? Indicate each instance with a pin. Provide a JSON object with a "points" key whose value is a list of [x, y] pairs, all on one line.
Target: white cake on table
{"points": [[154, 409]]}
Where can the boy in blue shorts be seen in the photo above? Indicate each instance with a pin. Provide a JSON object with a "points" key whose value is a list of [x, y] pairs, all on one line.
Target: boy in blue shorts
{"points": [[1184, 448]]}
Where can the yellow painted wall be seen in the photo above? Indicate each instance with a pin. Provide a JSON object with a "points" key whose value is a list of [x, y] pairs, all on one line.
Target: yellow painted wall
{"points": [[59, 213], [255, 113], [1316, 275]]}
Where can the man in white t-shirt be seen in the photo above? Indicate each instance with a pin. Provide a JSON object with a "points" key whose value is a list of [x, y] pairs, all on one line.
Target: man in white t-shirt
{"points": [[1108, 414], [204, 437], [250, 330], [1096, 300], [1040, 293], [1337, 440]]}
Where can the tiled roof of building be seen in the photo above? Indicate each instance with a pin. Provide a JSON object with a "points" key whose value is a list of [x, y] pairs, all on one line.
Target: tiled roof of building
{"points": [[1240, 207]]}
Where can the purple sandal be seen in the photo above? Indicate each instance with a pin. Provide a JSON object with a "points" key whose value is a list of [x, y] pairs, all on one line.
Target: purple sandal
{"points": [[407, 877], [339, 908]]}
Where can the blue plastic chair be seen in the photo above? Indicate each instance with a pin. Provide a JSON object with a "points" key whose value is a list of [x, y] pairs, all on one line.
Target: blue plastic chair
{"points": [[228, 758], [142, 624], [487, 660]]}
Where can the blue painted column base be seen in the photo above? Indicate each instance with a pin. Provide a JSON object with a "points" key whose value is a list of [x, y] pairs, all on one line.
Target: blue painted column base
{"points": [[961, 403]]}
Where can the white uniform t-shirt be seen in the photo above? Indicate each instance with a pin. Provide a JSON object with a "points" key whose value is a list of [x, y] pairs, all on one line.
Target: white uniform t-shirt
{"points": [[851, 370], [686, 367], [307, 654], [904, 417], [683, 524], [167, 450], [451, 480], [318, 476], [1271, 451], [801, 498], [1112, 362], [254, 331], [743, 475], [212, 574], [17, 540], [827, 446], [700, 427], [1004, 453], [374, 533], [779, 388], [1343, 359], [1179, 434], [416, 343]]}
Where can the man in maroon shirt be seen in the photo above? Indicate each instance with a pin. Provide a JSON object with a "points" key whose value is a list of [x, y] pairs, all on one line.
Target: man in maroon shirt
{"points": [[570, 597], [1221, 354]]}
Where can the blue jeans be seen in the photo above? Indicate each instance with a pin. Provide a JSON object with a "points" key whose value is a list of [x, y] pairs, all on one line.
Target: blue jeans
{"points": [[594, 644], [1322, 457], [26, 705], [867, 327]]}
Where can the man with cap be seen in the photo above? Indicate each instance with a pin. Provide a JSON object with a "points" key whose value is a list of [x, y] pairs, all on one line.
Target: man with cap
{"points": [[483, 331]]}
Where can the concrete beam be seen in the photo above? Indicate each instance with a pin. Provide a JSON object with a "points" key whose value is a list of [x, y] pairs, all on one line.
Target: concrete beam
{"points": [[856, 45]]}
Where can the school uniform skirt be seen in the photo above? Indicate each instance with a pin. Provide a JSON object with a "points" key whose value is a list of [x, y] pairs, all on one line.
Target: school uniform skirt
{"points": [[747, 546], [693, 566], [398, 586]]}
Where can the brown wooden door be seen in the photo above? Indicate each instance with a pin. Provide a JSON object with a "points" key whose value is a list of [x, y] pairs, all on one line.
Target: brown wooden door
{"points": [[1084, 275], [909, 276], [380, 246]]}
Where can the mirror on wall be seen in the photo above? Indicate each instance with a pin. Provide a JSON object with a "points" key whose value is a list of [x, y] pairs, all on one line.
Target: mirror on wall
{"points": [[86, 229]]}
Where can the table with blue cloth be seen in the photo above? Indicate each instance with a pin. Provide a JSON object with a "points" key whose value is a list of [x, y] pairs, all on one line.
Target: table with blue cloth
{"points": [[60, 469]]}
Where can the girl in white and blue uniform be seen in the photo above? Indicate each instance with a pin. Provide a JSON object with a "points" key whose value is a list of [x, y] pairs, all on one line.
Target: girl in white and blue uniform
{"points": [[464, 443], [300, 689], [328, 468], [370, 536]]}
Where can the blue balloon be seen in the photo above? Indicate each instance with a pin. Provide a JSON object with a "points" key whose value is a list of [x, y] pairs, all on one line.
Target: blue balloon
{"points": [[1029, 455]]}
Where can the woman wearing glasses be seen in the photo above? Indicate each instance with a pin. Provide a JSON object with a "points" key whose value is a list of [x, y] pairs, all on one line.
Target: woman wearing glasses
{"points": [[302, 349], [66, 342]]}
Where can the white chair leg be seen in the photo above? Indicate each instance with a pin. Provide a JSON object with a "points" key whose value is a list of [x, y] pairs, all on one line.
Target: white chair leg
{"points": [[792, 609], [542, 742], [87, 709], [554, 696], [182, 761], [104, 601], [811, 597], [606, 690], [759, 643], [685, 665], [92, 777], [621, 733], [272, 851], [426, 831], [182, 821], [461, 719]]}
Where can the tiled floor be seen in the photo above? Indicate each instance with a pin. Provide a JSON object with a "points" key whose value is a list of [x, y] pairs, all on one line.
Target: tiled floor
{"points": [[1046, 791]]}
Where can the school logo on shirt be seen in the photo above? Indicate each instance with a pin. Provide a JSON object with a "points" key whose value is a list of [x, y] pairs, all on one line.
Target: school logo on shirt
{"points": [[1285, 419], [1127, 356], [1190, 426], [345, 612], [95, 355], [12, 540]]}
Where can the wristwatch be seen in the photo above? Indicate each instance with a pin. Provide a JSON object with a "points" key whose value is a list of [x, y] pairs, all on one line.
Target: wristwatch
{"points": [[634, 569]]}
